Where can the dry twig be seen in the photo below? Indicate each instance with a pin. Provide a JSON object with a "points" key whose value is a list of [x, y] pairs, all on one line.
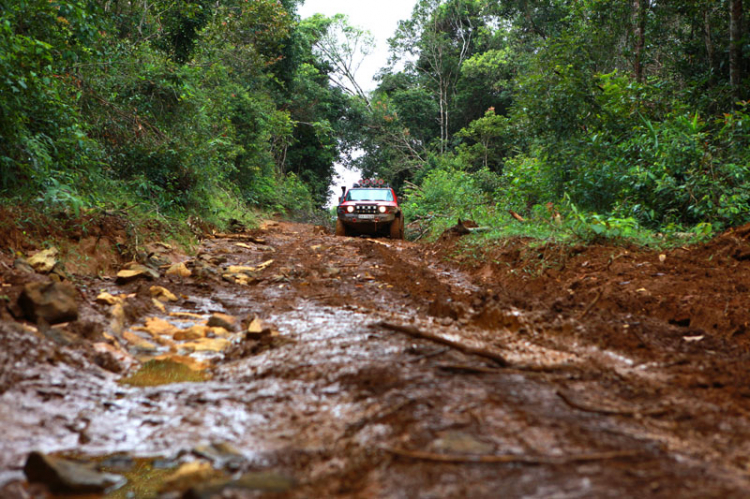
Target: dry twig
{"points": [[413, 331], [509, 458], [606, 411]]}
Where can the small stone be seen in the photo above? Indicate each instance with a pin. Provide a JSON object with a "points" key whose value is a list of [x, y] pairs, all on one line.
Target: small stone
{"points": [[138, 342], [228, 322], [162, 294], [108, 299], [189, 474], [193, 333], [179, 269], [54, 302], [63, 476], [257, 329], [136, 271], [22, 265], [207, 345], [44, 261]]}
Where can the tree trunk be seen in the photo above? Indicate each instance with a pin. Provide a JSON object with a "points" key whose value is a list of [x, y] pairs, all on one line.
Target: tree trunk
{"points": [[707, 38], [735, 47], [639, 32]]}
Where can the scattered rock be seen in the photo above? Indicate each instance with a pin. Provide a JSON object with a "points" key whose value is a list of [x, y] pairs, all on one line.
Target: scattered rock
{"points": [[262, 481], [23, 266], [136, 271], [207, 345], [258, 329], [240, 269], [189, 474], [222, 454], [63, 476], [192, 333], [112, 359], [108, 299], [138, 342], [228, 322], [44, 261], [156, 326], [53, 302], [180, 270], [162, 294]]}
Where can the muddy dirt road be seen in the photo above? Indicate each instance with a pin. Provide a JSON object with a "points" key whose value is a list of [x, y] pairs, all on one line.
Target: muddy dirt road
{"points": [[348, 367]]}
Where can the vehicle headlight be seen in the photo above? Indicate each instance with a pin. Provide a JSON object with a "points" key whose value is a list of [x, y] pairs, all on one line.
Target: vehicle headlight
{"points": [[382, 209], [350, 209]]}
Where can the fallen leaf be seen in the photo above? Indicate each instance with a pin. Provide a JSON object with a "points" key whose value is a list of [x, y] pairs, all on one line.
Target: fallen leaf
{"points": [[640, 290], [662, 258], [246, 246], [159, 305]]}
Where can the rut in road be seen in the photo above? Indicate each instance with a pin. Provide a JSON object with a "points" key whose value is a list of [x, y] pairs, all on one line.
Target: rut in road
{"points": [[382, 372]]}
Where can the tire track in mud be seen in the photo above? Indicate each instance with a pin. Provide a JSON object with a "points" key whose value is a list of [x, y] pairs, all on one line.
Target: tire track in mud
{"points": [[333, 397]]}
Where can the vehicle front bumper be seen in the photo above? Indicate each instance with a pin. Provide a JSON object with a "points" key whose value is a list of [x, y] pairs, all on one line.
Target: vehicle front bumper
{"points": [[357, 220]]}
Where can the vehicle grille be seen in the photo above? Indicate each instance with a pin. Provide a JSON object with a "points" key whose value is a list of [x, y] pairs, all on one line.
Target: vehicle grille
{"points": [[366, 209]]}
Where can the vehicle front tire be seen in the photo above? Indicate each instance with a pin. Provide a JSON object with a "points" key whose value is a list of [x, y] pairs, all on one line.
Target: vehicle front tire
{"points": [[340, 228], [397, 228]]}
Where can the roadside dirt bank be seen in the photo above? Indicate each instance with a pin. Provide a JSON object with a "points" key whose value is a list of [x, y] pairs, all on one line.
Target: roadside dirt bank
{"points": [[287, 362]]}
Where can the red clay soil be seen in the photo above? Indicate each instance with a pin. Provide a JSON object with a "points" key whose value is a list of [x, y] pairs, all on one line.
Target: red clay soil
{"points": [[623, 373]]}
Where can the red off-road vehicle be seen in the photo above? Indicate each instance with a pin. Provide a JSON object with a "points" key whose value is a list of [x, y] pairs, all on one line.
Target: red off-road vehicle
{"points": [[369, 207]]}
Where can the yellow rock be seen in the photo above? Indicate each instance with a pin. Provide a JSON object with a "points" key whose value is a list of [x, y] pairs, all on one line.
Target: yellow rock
{"points": [[256, 326], [207, 345], [156, 327], [129, 274], [108, 299], [192, 363], [44, 261], [264, 264], [239, 269], [162, 294], [185, 314], [179, 269], [189, 474], [137, 341], [159, 305], [220, 332], [192, 333]]}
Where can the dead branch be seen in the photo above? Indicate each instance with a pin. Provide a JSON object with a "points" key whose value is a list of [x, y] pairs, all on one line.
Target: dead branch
{"points": [[509, 458], [243, 237], [413, 331], [590, 305], [606, 411], [467, 369]]}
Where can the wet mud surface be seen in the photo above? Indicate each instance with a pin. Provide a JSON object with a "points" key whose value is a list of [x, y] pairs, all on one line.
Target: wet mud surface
{"points": [[379, 368]]}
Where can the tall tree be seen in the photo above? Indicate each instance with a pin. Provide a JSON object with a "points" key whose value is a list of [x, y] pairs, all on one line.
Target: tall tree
{"points": [[735, 45]]}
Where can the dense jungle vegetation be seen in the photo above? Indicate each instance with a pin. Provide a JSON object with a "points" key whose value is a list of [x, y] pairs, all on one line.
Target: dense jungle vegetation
{"points": [[610, 116]]}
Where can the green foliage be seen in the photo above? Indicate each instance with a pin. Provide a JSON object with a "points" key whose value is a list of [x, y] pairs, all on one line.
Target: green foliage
{"points": [[181, 107]]}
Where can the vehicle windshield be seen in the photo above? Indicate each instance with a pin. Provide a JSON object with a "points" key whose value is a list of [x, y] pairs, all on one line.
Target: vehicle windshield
{"points": [[369, 195]]}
